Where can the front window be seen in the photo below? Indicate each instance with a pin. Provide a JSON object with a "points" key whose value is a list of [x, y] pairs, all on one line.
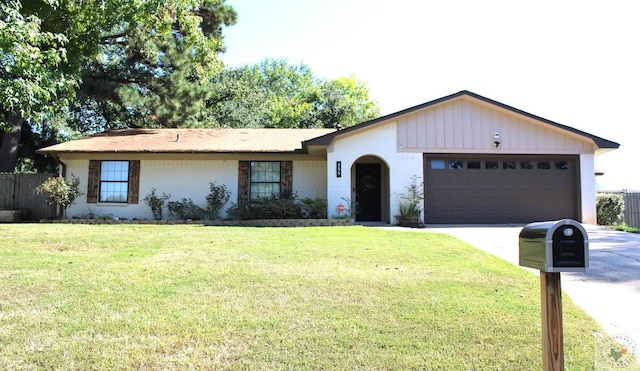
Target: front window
{"points": [[265, 179], [114, 181]]}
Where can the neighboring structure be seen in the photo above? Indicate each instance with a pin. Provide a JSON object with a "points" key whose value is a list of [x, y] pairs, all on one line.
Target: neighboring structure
{"points": [[481, 161]]}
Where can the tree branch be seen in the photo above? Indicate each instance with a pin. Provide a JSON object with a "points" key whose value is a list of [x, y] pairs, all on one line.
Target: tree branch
{"points": [[117, 39]]}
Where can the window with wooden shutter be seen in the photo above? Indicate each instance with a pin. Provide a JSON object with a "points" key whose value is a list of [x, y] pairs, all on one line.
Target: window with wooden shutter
{"points": [[265, 179], [114, 181]]}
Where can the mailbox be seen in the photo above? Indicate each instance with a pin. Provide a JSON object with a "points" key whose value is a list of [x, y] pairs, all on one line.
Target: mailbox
{"points": [[554, 246]]}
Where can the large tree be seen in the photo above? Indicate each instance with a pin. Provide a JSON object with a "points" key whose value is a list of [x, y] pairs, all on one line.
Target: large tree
{"points": [[75, 67], [32, 81], [146, 78], [105, 63], [345, 101], [275, 93]]}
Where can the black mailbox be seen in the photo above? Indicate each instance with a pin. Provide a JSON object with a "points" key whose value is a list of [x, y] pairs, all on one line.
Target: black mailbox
{"points": [[555, 246]]}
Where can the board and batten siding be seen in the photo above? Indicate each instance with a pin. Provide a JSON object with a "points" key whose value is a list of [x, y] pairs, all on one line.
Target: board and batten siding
{"points": [[468, 126]]}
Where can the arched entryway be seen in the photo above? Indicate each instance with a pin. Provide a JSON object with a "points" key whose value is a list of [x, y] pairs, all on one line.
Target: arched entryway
{"points": [[370, 189]]}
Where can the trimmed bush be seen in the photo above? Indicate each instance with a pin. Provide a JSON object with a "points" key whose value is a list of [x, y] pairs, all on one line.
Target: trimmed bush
{"points": [[274, 208], [185, 209], [610, 208], [278, 208], [314, 208]]}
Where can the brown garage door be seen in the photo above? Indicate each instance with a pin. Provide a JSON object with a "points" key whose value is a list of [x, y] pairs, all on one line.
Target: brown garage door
{"points": [[500, 189]]}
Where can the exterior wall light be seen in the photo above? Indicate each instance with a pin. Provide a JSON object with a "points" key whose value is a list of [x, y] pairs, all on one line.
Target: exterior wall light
{"points": [[496, 139]]}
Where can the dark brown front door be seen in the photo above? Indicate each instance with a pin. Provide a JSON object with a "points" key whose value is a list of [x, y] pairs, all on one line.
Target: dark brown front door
{"points": [[368, 193]]}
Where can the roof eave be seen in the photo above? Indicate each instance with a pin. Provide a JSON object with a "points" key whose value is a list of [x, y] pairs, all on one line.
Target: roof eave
{"points": [[326, 139], [58, 153]]}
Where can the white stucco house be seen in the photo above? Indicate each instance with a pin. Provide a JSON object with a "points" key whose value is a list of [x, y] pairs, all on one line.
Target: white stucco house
{"points": [[481, 161]]}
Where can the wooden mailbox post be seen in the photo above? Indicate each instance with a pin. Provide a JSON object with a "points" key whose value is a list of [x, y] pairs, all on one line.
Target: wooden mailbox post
{"points": [[552, 333], [553, 247]]}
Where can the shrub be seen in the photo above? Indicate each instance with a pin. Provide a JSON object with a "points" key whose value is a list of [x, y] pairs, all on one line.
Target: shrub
{"points": [[411, 201], [156, 203], [278, 208], [60, 190], [314, 208], [238, 211], [185, 209], [274, 208], [610, 208], [216, 199]]}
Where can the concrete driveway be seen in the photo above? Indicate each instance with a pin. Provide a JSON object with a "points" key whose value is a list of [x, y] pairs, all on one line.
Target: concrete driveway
{"points": [[609, 291]]}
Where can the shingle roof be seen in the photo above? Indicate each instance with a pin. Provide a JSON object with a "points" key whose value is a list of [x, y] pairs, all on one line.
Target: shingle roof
{"points": [[328, 138], [190, 141], [256, 140]]}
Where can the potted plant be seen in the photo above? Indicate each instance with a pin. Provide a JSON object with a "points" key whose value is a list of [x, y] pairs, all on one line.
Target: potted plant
{"points": [[411, 203]]}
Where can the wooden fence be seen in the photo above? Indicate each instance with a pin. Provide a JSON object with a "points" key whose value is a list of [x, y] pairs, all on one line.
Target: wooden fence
{"points": [[632, 209], [17, 193], [631, 215]]}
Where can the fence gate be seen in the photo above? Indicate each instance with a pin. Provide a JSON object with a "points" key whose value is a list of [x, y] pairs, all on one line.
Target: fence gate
{"points": [[17, 192], [632, 209]]}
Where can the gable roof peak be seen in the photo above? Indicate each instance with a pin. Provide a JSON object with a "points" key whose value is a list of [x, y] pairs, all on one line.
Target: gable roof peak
{"points": [[328, 138]]}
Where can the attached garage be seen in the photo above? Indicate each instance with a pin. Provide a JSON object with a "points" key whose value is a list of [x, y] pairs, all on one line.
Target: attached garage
{"points": [[500, 189], [481, 161]]}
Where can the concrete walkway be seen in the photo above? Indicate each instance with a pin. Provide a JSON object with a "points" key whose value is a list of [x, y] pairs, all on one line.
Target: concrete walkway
{"points": [[609, 291]]}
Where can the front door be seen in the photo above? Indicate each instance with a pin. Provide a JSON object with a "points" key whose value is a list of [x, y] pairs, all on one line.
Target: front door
{"points": [[368, 193]]}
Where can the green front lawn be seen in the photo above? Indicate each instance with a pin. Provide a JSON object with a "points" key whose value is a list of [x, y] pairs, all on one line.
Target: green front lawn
{"points": [[193, 297]]}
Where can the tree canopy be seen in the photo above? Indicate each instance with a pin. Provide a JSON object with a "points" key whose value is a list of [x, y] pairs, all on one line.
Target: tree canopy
{"points": [[277, 94], [77, 67], [105, 62]]}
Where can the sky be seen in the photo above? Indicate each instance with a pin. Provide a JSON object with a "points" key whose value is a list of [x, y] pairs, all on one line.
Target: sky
{"points": [[573, 62]]}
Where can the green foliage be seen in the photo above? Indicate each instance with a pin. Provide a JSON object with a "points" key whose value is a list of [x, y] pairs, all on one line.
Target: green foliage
{"points": [[185, 209], [60, 191], [623, 227], [155, 67], [238, 211], [313, 208], [276, 94], [411, 200], [609, 208], [408, 210], [278, 208], [345, 101], [269, 208], [156, 203], [216, 199], [93, 65], [32, 80]]}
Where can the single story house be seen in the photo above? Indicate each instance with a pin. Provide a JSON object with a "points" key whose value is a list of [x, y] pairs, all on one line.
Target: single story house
{"points": [[481, 162]]}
